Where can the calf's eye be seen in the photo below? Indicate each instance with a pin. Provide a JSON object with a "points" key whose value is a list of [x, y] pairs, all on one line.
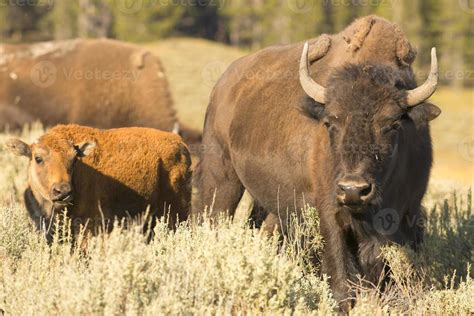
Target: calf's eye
{"points": [[38, 160]]}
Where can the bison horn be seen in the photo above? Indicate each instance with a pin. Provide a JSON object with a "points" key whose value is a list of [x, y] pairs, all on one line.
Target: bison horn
{"points": [[313, 89], [244, 208], [423, 92]]}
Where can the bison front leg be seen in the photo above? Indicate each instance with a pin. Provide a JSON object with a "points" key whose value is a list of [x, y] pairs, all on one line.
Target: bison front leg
{"points": [[339, 260]]}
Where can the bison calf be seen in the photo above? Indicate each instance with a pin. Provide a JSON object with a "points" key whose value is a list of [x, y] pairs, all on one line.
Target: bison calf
{"points": [[109, 174]]}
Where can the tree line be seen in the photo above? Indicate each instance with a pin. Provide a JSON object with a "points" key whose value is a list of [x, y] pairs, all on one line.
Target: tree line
{"points": [[251, 24]]}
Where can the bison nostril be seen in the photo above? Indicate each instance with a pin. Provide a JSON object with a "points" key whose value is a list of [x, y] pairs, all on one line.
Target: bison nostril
{"points": [[354, 192], [366, 191], [60, 191]]}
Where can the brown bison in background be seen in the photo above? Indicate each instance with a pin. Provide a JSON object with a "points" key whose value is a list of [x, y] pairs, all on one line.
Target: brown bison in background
{"points": [[111, 173], [98, 83], [358, 150]]}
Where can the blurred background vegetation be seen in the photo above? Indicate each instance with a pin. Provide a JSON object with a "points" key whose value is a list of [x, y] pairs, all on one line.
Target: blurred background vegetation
{"points": [[248, 24]]}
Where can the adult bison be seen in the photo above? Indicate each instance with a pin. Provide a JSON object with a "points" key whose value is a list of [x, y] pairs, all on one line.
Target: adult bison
{"points": [[261, 92], [99, 83], [101, 174], [359, 150]]}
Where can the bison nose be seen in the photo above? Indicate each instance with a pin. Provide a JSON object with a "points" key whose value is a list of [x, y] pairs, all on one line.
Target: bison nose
{"points": [[61, 192], [354, 192]]}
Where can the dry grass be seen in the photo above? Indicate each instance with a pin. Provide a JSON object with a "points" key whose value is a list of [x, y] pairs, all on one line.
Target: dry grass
{"points": [[224, 268], [216, 268]]}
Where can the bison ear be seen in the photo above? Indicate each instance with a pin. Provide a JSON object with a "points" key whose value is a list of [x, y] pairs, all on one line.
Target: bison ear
{"points": [[19, 148], [312, 109], [85, 148], [424, 112]]}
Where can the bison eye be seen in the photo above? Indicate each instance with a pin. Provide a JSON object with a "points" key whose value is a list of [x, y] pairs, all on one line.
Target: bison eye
{"points": [[392, 127], [330, 121], [38, 160]]}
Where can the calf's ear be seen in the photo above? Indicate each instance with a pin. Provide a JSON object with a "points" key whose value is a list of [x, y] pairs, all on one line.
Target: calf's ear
{"points": [[19, 148], [85, 148], [424, 112]]}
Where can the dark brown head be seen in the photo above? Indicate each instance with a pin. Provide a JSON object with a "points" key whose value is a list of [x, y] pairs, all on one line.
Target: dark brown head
{"points": [[51, 165], [364, 109]]}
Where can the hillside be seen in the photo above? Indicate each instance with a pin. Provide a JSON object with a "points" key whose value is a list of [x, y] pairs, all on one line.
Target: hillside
{"points": [[193, 67]]}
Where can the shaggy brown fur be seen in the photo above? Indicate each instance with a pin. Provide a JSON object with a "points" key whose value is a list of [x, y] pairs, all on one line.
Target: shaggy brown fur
{"points": [[114, 173], [369, 38], [265, 136], [98, 83]]}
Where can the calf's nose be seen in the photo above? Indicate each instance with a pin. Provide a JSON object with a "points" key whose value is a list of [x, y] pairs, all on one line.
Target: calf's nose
{"points": [[354, 191], [60, 191]]}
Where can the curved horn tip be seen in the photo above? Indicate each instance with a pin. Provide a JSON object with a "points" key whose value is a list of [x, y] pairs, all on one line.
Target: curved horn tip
{"points": [[305, 51], [311, 88], [423, 92], [434, 58]]}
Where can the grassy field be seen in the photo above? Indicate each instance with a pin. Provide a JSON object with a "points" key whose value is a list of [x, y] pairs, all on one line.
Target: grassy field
{"points": [[453, 137], [229, 268]]}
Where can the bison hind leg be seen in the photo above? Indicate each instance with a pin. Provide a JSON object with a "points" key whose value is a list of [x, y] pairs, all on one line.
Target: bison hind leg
{"points": [[218, 188]]}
